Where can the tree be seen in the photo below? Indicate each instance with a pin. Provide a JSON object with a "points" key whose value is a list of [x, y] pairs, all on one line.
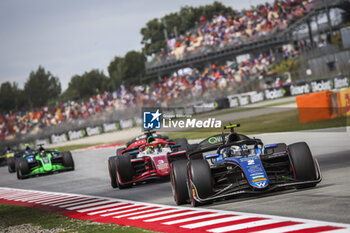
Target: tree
{"points": [[116, 70], [41, 87], [127, 70], [86, 85], [9, 96], [134, 67]]}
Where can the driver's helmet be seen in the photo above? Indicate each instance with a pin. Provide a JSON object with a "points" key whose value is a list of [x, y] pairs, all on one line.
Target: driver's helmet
{"points": [[235, 151], [150, 150], [27, 150], [27, 147], [42, 153]]}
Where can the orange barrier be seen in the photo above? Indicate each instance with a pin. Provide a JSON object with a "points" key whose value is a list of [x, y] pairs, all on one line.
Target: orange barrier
{"points": [[343, 98], [315, 106]]}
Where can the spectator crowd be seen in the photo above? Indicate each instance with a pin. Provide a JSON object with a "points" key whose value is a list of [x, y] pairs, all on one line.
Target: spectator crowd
{"points": [[185, 86], [240, 27]]}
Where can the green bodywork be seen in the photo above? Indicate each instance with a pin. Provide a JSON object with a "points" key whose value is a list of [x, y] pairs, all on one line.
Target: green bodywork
{"points": [[46, 165]]}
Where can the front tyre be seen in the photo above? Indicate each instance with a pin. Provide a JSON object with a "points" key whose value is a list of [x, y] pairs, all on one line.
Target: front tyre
{"points": [[302, 163], [124, 169], [112, 171], [22, 169], [67, 160], [178, 178], [183, 142], [199, 181]]}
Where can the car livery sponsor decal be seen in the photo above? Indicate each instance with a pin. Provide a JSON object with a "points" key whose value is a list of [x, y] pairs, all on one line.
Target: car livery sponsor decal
{"points": [[253, 168]]}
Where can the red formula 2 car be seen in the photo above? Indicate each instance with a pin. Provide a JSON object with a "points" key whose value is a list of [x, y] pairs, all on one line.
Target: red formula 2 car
{"points": [[144, 158]]}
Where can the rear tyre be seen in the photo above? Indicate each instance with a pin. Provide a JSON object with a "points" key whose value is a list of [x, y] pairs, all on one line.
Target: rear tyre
{"points": [[11, 164], [112, 171], [178, 178], [22, 168], [302, 163], [183, 142], [200, 178], [124, 170], [67, 160]]}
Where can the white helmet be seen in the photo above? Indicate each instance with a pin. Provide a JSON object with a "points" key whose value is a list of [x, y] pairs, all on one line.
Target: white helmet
{"points": [[236, 151]]}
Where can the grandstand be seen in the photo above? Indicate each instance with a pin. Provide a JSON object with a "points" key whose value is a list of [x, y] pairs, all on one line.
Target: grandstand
{"points": [[271, 42]]}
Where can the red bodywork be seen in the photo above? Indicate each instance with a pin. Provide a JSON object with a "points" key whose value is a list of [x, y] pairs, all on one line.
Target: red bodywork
{"points": [[154, 165], [138, 143]]}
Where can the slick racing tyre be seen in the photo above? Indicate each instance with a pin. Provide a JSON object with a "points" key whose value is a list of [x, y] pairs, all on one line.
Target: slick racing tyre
{"points": [[112, 171], [124, 170], [67, 160], [22, 168], [199, 178], [178, 178], [302, 162], [118, 152], [11, 164], [183, 142]]}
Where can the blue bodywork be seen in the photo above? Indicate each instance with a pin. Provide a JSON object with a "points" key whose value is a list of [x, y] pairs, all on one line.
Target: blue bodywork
{"points": [[250, 164], [30, 158]]}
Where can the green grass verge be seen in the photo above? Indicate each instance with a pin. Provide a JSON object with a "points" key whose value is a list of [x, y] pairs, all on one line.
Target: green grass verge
{"points": [[11, 215], [268, 123]]}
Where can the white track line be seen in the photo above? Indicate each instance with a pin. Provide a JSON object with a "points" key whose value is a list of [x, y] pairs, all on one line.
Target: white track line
{"points": [[66, 201], [155, 214], [43, 199], [215, 221], [11, 195], [5, 192], [15, 195], [35, 196], [170, 216], [47, 202], [140, 212], [244, 225], [193, 218], [30, 197], [99, 207], [108, 210], [89, 205], [78, 203], [133, 208]]}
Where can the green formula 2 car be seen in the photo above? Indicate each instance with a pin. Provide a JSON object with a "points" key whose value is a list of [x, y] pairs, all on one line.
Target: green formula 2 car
{"points": [[43, 162]]}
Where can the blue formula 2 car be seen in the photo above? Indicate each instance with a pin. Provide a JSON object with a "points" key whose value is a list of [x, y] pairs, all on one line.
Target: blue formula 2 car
{"points": [[230, 164]]}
